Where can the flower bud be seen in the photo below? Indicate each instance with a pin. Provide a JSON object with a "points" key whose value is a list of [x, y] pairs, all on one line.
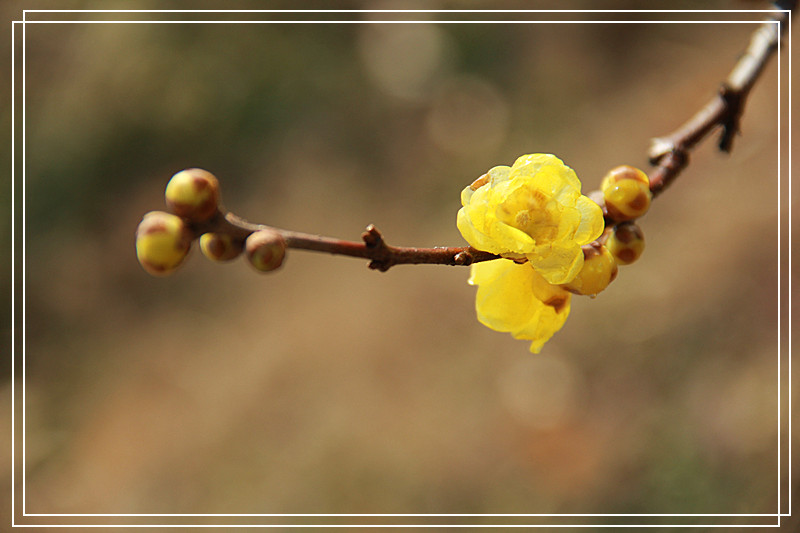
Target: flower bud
{"points": [[626, 244], [265, 249], [162, 242], [599, 269], [193, 194], [220, 246], [626, 191]]}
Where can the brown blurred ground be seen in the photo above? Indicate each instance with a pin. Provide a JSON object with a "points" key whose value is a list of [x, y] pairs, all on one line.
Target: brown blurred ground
{"points": [[329, 388]]}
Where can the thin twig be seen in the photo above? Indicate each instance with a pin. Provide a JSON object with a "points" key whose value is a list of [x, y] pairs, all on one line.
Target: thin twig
{"points": [[382, 256], [670, 154]]}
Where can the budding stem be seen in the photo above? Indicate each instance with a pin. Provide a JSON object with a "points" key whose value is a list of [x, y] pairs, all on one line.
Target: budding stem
{"points": [[669, 155], [373, 247]]}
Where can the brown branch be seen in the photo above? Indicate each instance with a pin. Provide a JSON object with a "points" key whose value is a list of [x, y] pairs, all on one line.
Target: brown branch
{"points": [[670, 154], [382, 256]]}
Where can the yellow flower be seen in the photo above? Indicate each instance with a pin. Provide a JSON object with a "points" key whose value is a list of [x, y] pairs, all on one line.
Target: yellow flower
{"points": [[514, 298], [533, 210]]}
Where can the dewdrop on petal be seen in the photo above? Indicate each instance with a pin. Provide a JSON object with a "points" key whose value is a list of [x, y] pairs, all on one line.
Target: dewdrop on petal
{"points": [[162, 242], [193, 194], [220, 246], [265, 250]]}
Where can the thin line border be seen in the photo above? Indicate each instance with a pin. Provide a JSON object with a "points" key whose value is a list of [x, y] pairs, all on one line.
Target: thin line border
{"points": [[24, 22]]}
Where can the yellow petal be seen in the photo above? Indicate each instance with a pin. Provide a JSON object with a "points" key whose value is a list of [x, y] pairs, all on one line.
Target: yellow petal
{"points": [[514, 298], [569, 220], [505, 299], [592, 224], [498, 174], [558, 262], [530, 210], [466, 195], [551, 175], [471, 234]]}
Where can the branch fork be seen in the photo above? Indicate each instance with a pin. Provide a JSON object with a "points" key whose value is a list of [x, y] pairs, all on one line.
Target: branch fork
{"points": [[670, 154]]}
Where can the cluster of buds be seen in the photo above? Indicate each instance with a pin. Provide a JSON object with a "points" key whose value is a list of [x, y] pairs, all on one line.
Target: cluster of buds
{"points": [[625, 196], [163, 240]]}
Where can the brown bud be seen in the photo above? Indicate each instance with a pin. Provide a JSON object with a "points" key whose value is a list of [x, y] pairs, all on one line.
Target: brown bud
{"points": [[265, 249], [626, 243], [220, 246], [624, 172], [626, 191]]}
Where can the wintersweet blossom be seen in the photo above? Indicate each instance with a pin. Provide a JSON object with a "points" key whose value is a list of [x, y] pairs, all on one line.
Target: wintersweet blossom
{"points": [[532, 212]]}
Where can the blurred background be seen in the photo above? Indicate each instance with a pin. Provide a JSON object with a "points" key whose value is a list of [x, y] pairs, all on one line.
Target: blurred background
{"points": [[329, 388]]}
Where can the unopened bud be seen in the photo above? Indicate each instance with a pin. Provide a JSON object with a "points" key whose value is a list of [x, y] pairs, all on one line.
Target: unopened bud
{"points": [[626, 244], [626, 191], [193, 194], [162, 242], [220, 246], [599, 269], [265, 249]]}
